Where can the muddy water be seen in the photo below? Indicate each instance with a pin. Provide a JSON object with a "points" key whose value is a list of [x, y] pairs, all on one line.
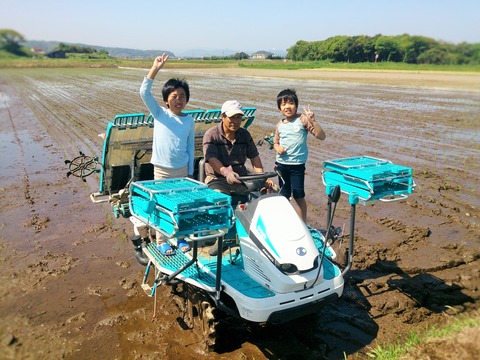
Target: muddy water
{"points": [[69, 282]]}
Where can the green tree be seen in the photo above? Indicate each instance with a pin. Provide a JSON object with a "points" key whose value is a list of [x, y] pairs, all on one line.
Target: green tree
{"points": [[62, 47], [388, 49], [75, 49], [10, 41], [313, 52], [422, 44], [413, 46], [334, 49], [240, 56], [399, 48], [466, 53], [363, 48], [299, 51], [342, 47], [475, 53], [436, 56]]}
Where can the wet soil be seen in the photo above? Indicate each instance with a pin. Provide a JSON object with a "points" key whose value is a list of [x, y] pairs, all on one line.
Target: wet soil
{"points": [[69, 282]]}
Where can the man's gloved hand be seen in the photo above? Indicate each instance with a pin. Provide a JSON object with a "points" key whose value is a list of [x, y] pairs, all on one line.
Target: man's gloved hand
{"points": [[230, 175], [269, 187]]}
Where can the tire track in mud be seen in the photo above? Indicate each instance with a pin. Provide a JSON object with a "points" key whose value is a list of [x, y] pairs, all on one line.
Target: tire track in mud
{"points": [[52, 110], [65, 111], [412, 238], [54, 124], [447, 198], [18, 143], [72, 113], [34, 221]]}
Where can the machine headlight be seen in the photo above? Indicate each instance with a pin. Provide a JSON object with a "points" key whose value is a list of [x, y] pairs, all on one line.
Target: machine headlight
{"points": [[288, 268]]}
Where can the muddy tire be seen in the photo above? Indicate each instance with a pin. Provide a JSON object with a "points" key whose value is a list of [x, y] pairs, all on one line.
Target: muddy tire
{"points": [[209, 325], [200, 315]]}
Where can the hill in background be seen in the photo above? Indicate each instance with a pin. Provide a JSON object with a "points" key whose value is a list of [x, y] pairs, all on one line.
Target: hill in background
{"points": [[124, 53]]}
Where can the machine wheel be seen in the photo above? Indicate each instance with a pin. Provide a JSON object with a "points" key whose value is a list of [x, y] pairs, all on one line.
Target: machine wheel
{"points": [[209, 324], [82, 166], [200, 315]]}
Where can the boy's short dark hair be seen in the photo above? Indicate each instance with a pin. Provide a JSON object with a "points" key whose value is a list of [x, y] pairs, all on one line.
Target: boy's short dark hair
{"points": [[287, 95], [174, 84]]}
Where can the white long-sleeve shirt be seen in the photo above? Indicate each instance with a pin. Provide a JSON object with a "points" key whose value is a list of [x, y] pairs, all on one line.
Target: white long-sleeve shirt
{"points": [[173, 136]]}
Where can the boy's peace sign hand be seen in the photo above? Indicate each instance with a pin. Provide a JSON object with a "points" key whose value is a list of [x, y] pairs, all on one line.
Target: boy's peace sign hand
{"points": [[314, 128], [309, 113], [160, 61]]}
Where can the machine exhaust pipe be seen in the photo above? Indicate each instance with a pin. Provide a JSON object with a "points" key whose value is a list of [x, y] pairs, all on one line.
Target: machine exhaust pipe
{"points": [[137, 242]]}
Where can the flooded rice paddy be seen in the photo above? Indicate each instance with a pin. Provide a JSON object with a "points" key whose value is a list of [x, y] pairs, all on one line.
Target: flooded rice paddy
{"points": [[68, 269]]}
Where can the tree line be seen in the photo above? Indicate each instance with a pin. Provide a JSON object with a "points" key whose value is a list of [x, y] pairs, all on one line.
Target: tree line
{"points": [[10, 41], [75, 49], [400, 48], [351, 49]]}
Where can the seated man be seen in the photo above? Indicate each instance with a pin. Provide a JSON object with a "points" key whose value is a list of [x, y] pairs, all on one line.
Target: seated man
{"points": [[226, 148]]}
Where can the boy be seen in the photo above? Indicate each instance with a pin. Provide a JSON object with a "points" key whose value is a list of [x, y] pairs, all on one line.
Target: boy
{"points": [[173, 135], [290, 144]]}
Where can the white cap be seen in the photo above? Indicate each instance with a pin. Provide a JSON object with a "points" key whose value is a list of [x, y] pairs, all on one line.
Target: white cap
{"points": [[231, 108]]}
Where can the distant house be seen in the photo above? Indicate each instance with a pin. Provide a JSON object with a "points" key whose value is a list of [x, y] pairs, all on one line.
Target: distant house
{"points": [[37, 50], [56, 54], [261, 55]]}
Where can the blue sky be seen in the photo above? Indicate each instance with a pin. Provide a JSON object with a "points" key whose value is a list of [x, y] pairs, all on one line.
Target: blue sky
{"points": [[243, 25]]}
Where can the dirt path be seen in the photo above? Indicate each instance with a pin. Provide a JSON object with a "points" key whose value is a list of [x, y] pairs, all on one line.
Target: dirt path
{"points": [[69, 280], [468, 80]]}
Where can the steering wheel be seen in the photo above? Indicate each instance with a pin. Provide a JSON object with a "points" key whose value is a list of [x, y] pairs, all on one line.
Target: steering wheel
{"points": [[256, 181]]}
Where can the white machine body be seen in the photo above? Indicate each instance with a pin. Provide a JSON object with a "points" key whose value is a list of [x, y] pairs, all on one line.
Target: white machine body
{"points": [[277, 247]]}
